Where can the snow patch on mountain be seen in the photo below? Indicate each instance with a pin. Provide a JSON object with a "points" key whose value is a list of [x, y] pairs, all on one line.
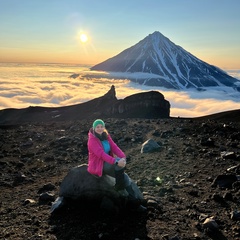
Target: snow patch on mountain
{"points": [[168, 66]]}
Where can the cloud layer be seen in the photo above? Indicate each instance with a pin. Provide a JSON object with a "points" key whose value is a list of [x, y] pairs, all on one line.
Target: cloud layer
{"points": [[54, 88]]}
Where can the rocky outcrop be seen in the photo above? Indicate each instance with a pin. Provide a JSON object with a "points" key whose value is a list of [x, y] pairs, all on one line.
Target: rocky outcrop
{"points": [[142, 105], [148, 105]]}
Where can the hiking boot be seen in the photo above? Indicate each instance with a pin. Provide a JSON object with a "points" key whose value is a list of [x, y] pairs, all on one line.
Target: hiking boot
{"points": [[120, 181]]}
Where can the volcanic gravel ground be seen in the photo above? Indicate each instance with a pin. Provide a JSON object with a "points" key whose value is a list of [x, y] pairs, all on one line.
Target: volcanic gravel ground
{"points": [[177, 180]]}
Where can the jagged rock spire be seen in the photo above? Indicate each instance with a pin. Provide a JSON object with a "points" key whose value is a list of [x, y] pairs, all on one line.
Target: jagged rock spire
{"points": [[111, 94]]}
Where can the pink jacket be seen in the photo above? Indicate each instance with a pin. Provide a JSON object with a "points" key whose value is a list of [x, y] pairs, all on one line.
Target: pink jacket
{"points": [[97, 156]]}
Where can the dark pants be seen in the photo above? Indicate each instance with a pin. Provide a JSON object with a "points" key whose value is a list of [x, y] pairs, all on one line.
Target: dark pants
{"points": [[111, 170]]}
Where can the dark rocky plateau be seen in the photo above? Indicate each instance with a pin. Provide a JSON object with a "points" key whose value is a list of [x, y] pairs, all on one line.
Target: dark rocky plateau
{"points": [[141, 105], [192, 177]]}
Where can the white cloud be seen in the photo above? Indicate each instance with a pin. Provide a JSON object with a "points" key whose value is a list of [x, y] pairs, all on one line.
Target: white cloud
{"points": [[52, 92], [234, 73]]}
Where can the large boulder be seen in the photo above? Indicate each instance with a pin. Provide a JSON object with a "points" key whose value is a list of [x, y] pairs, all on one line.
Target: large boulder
{"points": [[79, 183], [150, 146], [82, 187]]}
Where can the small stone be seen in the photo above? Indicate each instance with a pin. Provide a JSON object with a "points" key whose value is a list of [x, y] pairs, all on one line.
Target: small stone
{"points": [[152, 203], [150, 146], [228, 196], [28, 201], [46, 197], [228, 155], [203, 217], [235, 215], [216, 197], [47, 187], [19, 178], [210, 223]]}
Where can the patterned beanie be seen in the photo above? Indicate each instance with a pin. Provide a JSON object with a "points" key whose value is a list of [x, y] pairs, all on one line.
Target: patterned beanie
{"points": [[98, 121]]}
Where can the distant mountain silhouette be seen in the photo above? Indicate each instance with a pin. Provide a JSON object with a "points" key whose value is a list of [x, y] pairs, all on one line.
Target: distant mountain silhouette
{"points": [[147, 105], [141, 105], [170, 65], [232, 115]]}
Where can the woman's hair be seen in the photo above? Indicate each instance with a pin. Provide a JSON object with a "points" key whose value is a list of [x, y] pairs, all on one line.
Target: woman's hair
{"points": [[103, 136]]}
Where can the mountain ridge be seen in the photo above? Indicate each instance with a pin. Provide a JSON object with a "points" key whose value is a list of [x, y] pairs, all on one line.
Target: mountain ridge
{"points": [[176, 68], [150, 104]]}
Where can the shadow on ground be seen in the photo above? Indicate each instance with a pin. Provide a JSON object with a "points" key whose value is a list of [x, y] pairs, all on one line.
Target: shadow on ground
{"points": [[88, 222]]}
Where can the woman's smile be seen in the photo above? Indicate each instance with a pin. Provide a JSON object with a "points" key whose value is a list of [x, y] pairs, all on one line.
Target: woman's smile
{"points": [[99, 129]]}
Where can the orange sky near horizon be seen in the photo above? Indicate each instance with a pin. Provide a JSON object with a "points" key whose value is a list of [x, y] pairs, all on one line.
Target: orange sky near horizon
{"points": [[91, 58]]}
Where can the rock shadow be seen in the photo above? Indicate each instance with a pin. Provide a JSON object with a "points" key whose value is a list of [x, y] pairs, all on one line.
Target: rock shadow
{"points": [[216, 235], [86, 220]]}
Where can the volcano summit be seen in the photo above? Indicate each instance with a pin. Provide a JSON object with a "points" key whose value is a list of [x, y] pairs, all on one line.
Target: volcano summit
{"points": [[159, 62]]}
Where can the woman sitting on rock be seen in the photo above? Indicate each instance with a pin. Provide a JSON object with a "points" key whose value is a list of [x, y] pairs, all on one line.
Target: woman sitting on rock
{"points": [[105, 157]]}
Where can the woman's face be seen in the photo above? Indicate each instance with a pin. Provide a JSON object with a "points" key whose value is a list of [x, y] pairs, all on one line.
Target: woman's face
{"points": [[99, 129]]}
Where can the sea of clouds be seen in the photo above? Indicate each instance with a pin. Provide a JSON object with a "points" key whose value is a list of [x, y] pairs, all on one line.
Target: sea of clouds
{"points": [[50, 85]]}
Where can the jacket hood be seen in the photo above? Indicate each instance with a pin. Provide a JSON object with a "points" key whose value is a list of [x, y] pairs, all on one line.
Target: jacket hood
{"points": [[91, 134]]}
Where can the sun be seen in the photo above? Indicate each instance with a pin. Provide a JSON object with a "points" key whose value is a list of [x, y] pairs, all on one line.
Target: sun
{"points": [[83, 37]]}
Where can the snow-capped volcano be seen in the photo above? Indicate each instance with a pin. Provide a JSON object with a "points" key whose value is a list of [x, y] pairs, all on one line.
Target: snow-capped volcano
{"points": [[167, 65]]}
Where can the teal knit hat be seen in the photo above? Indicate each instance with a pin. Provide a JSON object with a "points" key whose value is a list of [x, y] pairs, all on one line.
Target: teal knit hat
{"points": [[98, 121]]}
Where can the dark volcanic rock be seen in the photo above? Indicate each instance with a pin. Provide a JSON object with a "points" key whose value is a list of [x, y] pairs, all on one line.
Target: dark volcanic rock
{"points": [[225, 181], [176, 182], [150, 146], [83, 188], [142, 105]]}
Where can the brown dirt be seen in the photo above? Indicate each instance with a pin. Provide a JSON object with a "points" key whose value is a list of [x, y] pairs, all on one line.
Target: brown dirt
{"points": [[176, 181]]}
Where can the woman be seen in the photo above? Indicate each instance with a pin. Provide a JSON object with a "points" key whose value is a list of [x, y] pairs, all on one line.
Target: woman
{"points": [[105, 157]]}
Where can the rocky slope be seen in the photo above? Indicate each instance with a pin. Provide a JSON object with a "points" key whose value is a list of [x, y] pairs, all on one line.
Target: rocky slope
{"points": [[178, 181]]}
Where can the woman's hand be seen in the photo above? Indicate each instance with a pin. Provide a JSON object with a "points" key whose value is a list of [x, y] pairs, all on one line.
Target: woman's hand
{"points": [[122, 162]]}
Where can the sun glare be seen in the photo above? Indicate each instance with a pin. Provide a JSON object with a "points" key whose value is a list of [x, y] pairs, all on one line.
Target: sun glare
{"points": [[83, 38]]}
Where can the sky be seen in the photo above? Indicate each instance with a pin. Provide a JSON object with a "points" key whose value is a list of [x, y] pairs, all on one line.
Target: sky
{"points": [[49, 30]]}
